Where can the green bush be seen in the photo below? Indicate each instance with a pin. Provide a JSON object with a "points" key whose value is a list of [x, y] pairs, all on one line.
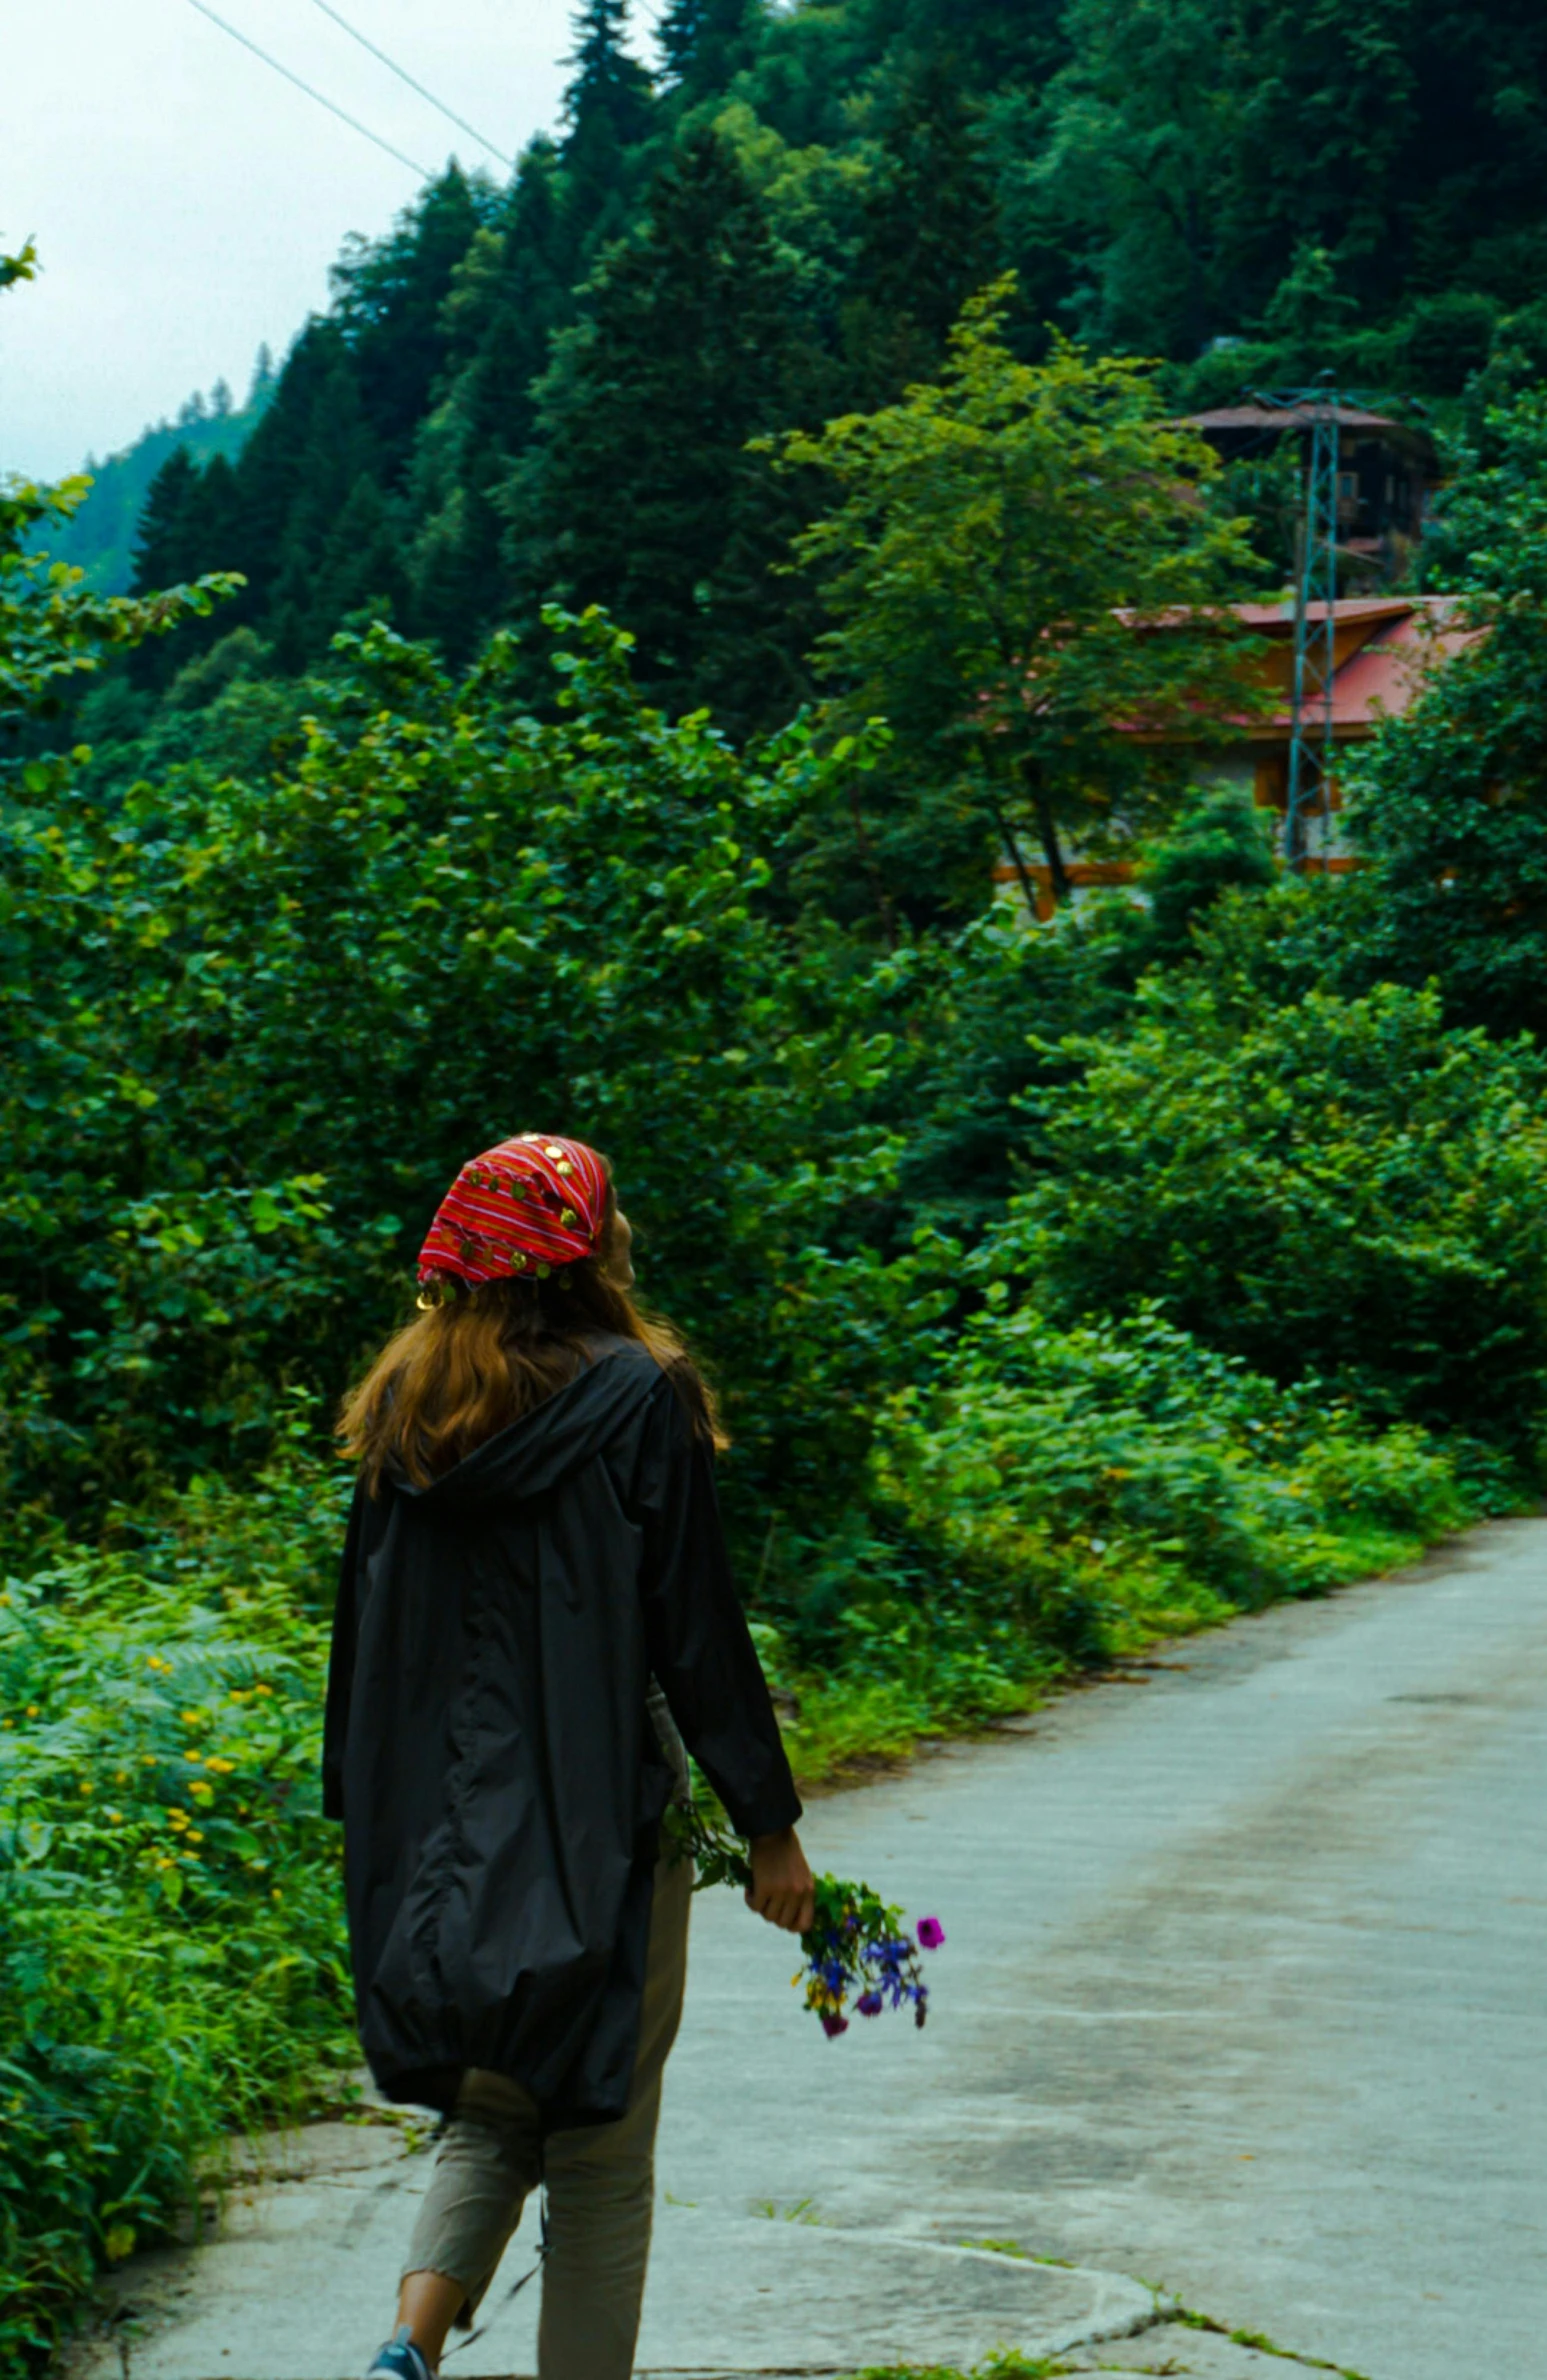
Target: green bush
{"points": [[259, 1024], [1449, 803], [172, 1963], [1120, 1473], [1338, 1187]]}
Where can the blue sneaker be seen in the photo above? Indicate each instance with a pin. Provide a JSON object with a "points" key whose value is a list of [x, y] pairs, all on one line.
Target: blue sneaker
{"points": [[400, 2359]]}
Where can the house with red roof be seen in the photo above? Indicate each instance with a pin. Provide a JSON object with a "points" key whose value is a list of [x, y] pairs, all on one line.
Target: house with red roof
{"points": [[1383, 646]]}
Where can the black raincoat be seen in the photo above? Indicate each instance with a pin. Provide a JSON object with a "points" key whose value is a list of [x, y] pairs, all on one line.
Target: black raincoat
{"points": [[490, 1752]]}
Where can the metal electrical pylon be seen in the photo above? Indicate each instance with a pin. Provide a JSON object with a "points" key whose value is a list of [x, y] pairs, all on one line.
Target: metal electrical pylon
{"points": [[1315, 650], [1310, 746]]}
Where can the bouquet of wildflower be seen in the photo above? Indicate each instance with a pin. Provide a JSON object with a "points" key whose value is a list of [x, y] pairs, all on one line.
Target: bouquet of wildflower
{"points": [[858, 1946]]}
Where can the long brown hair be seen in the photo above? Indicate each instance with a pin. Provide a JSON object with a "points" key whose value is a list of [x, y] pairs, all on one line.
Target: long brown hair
{"points": [[465, 1369]]}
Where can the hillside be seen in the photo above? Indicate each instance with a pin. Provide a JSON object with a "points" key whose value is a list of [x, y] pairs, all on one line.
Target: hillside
{"points": [[100, 539], [548, 389]]}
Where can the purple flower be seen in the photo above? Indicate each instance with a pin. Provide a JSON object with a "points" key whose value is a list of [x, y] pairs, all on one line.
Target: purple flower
{"points": [[931, 1933], [869, 2003], [832, 2025]]}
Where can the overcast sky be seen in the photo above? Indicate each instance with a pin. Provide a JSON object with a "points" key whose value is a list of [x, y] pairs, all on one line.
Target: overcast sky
{"points": [[187, 203]]}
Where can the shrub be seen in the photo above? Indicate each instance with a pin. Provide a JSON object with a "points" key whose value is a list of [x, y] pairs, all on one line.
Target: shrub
{"points": [[1122, 1469], [1339, 1187], [259, 1025], [172, 1964]]}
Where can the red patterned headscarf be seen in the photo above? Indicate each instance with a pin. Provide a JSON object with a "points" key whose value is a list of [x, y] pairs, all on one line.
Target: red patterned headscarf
{"points": [[522, 1208]]}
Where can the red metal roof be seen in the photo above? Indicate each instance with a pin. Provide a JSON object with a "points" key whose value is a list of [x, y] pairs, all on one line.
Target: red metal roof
{"points": [[1409, 636]]}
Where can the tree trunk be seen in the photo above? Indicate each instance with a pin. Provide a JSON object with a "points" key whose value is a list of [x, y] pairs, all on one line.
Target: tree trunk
{"points": [[1047, 832], [1047, 829], [1013, 854]]}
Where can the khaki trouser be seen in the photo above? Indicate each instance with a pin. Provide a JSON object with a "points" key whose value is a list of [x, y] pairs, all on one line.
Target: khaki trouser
{"points": [[600, 2180]]}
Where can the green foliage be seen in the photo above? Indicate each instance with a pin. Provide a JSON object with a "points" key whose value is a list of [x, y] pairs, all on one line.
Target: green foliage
{"points": [[1219, 844], [1340, 1188], [1161, 175], [53, 632], [264, 1022], [1019, 569], [641, 495], [100, 538], [1140, 137], [608, 117], [1216, 167], [705, 44], [1116, 1480], [170, 1906], [930, 233], [1451, 804], [23, 266], [1059, 1305]]}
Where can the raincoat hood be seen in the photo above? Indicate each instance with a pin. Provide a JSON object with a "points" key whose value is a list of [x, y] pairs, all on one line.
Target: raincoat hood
{"points": [[535, 1455]]}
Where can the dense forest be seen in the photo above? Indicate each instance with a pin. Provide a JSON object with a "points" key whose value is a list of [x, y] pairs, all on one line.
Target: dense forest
{"points": [[591, 696], [101, 538], [548, 390]]}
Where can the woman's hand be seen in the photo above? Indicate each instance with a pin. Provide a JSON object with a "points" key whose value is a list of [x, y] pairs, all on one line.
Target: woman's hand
{"points": [[782, 1889]]}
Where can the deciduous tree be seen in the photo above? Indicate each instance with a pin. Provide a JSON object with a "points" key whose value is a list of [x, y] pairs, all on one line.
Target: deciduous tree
{"points": [[1022, 568]]}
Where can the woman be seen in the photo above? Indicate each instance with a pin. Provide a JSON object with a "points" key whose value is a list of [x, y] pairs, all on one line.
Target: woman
{"points": [[534, 1589]]}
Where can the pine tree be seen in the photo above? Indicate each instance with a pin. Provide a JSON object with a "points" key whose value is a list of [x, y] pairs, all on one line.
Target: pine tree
{"points": [[356, 567], [390, 310], [340, 458], [993, 43], [274, 463], [511, 293], [642, 495], [607, 115], [163, 546], [930, 230], [705, 44]]}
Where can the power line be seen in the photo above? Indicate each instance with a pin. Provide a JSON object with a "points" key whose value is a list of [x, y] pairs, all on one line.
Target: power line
{"points": [[404, 76], [353, 122]]}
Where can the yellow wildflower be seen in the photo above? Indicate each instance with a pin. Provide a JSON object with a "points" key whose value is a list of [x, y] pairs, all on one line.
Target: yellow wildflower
{"points": [[224, 1768]]}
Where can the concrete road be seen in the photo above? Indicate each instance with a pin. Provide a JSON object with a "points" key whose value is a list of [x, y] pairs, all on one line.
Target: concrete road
{"points": [[1245, 1995], [1245, 1989]]}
